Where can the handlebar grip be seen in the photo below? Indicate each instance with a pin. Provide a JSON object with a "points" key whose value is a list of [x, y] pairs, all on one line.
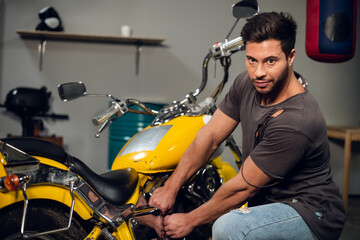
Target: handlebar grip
{"points": [[116, 108], [227, 48], [233, 43]]}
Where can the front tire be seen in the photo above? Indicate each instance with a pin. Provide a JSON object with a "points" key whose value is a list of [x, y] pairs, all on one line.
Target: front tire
{"points": [[41, 216]]}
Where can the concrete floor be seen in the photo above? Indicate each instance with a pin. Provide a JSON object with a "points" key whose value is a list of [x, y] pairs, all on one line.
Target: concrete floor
{"points": [[352, 226]]}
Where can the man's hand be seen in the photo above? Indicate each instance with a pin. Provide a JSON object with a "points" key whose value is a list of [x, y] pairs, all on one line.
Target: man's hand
{"points": [[164, 199], [158, 226], [178, 225]]}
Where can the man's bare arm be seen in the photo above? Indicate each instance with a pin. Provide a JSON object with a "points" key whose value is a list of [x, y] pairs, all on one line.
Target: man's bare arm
{"points": [[205, 144], [232, 194]]}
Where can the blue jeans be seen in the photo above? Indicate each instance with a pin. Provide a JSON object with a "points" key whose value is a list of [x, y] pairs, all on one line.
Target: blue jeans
{"points": [[270, 221]]}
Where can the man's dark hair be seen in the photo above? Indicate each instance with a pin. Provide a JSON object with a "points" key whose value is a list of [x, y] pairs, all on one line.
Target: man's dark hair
{"points": [[271, 25]]}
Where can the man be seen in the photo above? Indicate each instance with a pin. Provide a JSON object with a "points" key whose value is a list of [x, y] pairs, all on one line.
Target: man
{"points": [[286, 177]]}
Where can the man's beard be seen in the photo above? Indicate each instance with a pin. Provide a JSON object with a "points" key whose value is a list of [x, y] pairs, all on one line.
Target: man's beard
{"points": [[278, 85]]}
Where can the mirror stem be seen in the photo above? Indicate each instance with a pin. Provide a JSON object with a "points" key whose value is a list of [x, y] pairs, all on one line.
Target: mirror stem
{"points": [[232, 29]]}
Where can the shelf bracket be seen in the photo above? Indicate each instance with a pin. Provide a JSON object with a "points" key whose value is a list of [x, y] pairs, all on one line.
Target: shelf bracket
{"points": [[43, 36], [137, 58], [41, 52]]}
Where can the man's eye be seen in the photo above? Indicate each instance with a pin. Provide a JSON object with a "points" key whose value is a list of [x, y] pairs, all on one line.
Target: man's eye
{"points": [[270, 61]]}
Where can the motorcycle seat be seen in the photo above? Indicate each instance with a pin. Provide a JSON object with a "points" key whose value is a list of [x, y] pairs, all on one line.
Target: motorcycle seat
{"points": [[38, 147], [116, 187]]}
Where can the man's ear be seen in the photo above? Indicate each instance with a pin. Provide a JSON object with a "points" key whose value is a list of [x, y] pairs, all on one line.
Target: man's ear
{"points": [[291, 57]]}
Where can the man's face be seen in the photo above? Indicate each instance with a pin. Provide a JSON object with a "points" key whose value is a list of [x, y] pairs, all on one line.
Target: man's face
{"points": [[267, 66]]}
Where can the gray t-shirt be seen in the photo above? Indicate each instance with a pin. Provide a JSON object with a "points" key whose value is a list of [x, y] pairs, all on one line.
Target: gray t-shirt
{"points": [[292, 148]]}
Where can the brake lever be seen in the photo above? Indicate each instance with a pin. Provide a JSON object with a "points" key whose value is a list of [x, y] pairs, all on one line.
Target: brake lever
{"points": [[102, 127]]}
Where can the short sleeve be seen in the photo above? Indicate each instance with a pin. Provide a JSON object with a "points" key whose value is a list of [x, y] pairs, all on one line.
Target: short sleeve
{"points": [[230, 105]]}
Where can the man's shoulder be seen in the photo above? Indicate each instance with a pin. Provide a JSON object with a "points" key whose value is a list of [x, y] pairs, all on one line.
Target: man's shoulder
{"points": [[242, 77], [242, 82], [302, 114]]}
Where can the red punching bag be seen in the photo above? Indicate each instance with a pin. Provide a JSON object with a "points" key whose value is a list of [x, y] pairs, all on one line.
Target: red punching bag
{"points": [[330, 30]]}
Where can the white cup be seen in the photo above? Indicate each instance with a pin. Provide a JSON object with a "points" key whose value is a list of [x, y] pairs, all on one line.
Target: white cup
{"points": [[126, 31]]}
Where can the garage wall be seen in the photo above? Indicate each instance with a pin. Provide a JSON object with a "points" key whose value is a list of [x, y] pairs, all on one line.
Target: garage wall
{"points": [[167, 72]]}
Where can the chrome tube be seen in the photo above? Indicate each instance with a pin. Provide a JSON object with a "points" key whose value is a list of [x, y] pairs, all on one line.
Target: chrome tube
{"points": [[204, 75], [51, 231]]}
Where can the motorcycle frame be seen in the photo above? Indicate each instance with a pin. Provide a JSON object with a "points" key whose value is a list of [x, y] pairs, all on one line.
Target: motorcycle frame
{"points": [[56, 182], [70, 188]]}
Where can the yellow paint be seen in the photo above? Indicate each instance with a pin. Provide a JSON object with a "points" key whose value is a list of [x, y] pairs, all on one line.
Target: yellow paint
{"points": [[50, 192], [168, 152]]}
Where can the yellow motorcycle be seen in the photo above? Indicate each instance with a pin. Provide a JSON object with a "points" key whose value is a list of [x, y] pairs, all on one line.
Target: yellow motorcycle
{"points": [[46, 193]]}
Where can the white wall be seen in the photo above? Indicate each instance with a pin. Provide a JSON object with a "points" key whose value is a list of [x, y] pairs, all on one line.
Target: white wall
{"points": [[166, 73]]}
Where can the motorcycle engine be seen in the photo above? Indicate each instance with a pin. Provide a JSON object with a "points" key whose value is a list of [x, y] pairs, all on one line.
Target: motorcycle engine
{"points": [[203, 185]]}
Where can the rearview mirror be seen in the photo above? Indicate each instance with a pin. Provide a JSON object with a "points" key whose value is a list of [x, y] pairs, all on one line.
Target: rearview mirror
{"points": [[245, 8], [72, 90]]}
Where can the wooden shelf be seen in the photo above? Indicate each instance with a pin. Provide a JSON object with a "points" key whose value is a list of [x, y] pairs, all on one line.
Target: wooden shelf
{"points": [[63, 36]]}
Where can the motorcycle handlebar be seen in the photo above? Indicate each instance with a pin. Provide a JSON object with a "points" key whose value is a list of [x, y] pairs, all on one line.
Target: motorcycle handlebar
{"points": [[146, 109], [233, 44], [219, 50], [226, 48], [204, 75], [116, 108]]}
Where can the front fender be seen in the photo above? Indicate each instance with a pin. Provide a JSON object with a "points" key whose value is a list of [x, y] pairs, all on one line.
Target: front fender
{"points": [[225, 170], [124, 231], [228, 172]]}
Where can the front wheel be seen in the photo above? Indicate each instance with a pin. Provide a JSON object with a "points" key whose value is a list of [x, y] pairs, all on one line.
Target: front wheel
{"points": [[41, 216]]}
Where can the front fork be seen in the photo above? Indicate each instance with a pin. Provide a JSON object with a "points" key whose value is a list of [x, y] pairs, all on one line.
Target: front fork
{"points": [[122, 232], [125, 230]]}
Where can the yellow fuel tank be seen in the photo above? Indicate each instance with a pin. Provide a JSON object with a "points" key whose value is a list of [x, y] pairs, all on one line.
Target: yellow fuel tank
{"points": [[159, 148]]}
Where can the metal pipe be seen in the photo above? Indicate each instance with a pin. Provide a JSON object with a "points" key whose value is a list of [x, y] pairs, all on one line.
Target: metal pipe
{"points": [[51, 231]]}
